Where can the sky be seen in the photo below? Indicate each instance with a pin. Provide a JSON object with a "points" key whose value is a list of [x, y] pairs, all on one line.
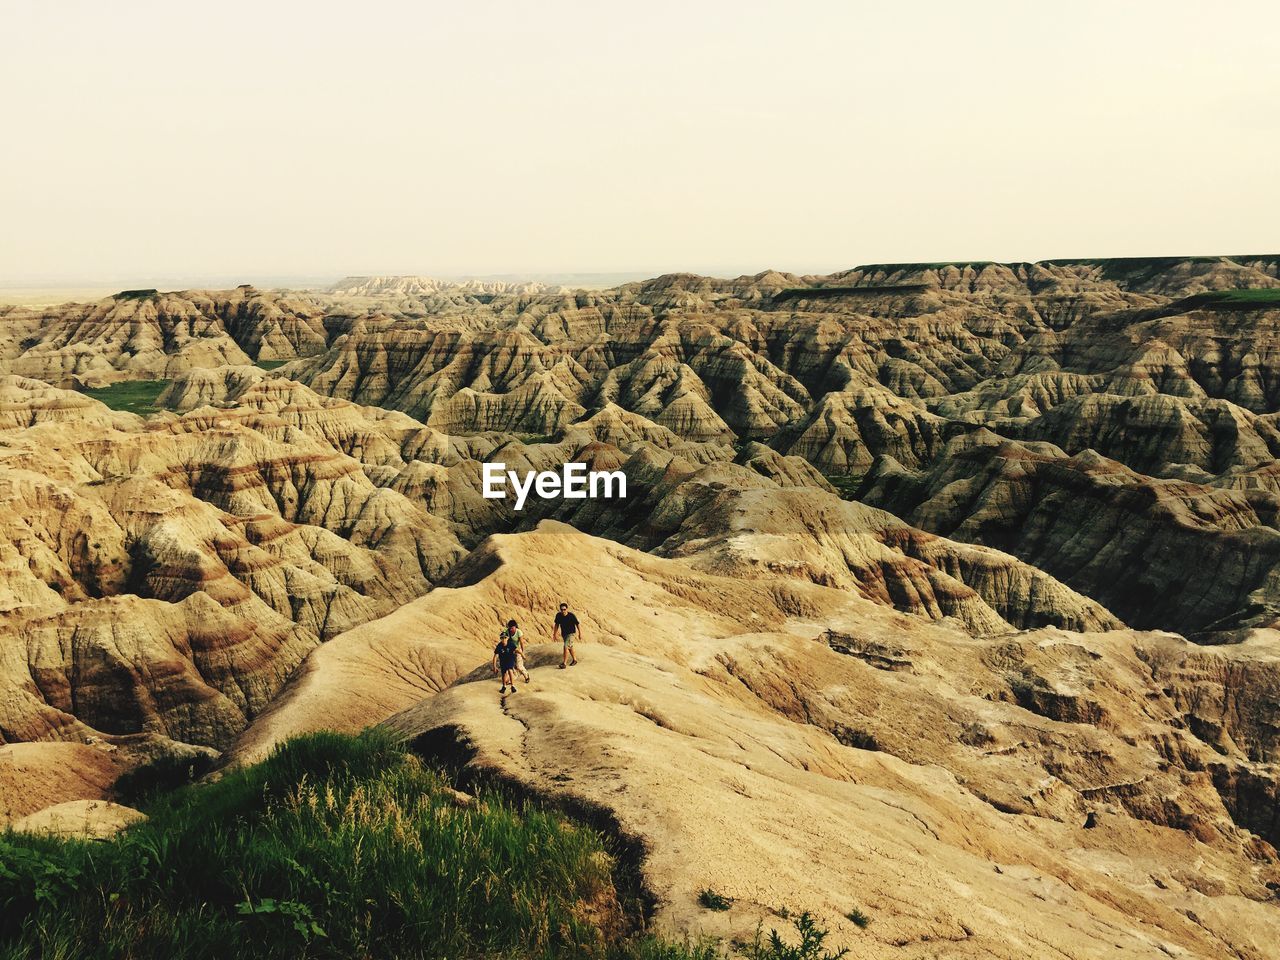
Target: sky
{"points": [[316, 139]]}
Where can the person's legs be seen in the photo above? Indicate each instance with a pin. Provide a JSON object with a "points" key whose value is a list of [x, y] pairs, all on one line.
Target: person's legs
{"points": [[568, 649], [564, 659]]}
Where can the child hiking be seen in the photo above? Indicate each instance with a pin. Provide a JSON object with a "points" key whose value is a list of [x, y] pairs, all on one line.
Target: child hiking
{"points": [[508, 656]]}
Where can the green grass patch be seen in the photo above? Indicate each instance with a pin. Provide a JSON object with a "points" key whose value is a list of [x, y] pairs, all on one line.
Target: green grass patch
{"points": [[148, 782], [858, 918], [714, 901], [918, 267], [333, 847], [1250, 298], [655, 948], [810, 943], [270, 364], [134, 396], [846, 485], [1140, 269], [141, 294], [828, 293]]}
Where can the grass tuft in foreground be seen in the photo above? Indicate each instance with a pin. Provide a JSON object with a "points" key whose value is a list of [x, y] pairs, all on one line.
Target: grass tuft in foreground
{"points": [[858, 918], [810, 943], [714, 901], [133, 396], [334, 846]]}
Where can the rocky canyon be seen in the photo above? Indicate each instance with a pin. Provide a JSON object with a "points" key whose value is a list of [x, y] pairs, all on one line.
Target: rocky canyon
{"points": [[949, 591]]}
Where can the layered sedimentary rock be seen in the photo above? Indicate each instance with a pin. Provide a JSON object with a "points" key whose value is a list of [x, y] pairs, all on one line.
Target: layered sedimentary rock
{"points": [[672, 501], [879, 585], [143, 334], [1194, 557], [1096, 421], [1164, 366], [167, 577], [25, 403], [215, 548]]}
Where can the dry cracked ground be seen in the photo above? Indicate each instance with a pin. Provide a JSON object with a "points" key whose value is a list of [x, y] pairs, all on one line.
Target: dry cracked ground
{"points": [[949, 593]]}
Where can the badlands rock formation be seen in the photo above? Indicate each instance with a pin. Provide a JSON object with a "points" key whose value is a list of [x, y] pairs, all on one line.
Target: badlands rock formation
{"points": [[410, 286], [795, 746], [946, 592], [142, 334], [225, 542], [1119, 374], [198, 549]]}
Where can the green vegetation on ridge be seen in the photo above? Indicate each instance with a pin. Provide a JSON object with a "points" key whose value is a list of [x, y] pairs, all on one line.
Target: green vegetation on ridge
{"points": [[133, 396], [1251, 298], [827, 293], [334, 847], [920, 267], [846, 484]]}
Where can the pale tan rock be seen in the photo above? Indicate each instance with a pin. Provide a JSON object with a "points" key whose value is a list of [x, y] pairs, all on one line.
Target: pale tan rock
{"points": [[793, 746], [87, 819], [34, 776]]}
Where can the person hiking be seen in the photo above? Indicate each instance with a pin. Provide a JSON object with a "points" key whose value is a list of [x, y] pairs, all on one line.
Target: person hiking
{"points": [[569, 629], [506, 655], [520, 667]]}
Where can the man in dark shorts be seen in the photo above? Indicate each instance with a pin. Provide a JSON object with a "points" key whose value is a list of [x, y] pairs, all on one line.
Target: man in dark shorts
{"points": [[569, 629]]}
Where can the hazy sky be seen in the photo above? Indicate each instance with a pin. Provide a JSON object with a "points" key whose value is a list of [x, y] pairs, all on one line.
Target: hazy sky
{"points": [[166, 139]]}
